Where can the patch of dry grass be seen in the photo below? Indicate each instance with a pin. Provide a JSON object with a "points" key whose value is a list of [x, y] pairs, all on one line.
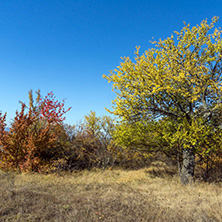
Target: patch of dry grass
{"points": [[149, 194]]}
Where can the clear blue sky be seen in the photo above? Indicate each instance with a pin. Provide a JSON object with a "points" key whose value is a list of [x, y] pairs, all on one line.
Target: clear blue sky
{"points": [[65, 46]]}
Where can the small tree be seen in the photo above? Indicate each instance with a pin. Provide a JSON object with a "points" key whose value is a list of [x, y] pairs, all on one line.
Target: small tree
{"points": [[96, 140], [26, 146], [178, 79], [91, 144]]}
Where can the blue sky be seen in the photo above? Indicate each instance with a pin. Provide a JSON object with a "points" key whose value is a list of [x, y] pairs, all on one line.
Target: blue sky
{"points": [[66, 46]]}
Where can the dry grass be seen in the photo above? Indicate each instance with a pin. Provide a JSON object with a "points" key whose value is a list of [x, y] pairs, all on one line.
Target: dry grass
{"points": [[149, 194]]}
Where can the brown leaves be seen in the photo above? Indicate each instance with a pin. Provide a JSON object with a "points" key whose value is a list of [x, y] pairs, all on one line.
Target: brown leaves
{"points": [[33, 134], [28, 138]]}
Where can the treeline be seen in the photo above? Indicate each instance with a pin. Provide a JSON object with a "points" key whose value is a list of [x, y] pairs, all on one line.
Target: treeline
{"points": [[39, 141], [168, 103]]}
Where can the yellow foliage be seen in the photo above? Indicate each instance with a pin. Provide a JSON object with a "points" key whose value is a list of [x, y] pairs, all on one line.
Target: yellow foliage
{"points": [[174, 79]]}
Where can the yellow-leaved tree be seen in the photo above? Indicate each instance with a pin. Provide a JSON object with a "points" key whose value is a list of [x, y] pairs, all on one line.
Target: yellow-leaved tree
{"points": [[179, 79]]}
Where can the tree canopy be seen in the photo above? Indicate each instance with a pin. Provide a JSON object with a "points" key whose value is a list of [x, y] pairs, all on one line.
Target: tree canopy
{"points": [[179, 78]]}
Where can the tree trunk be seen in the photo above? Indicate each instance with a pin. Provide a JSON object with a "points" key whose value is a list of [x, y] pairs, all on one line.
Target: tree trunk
{"points": [[187, 172]]}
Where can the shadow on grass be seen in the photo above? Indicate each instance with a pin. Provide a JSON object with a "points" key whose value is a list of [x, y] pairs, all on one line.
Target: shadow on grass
{"points": [[161, 170]]}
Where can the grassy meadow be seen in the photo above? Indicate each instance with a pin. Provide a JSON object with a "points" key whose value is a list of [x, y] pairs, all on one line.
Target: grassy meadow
{"points": [[149, 194]]}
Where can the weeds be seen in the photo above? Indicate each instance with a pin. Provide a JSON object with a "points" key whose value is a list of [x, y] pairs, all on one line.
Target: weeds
{"points": [[107, 195]]}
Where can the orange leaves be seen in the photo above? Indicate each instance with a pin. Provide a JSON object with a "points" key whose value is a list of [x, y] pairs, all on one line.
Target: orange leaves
{"points": [[32, 134]]}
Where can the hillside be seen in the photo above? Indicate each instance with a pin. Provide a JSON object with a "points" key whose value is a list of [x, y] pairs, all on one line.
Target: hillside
{"points": [[149, 194]]}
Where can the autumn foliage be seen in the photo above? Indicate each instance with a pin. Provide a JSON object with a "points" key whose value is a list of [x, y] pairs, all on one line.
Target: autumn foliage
{"points": [[88, 145], [168, 104], [52, 110], [178, 80], [32, 135]]}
